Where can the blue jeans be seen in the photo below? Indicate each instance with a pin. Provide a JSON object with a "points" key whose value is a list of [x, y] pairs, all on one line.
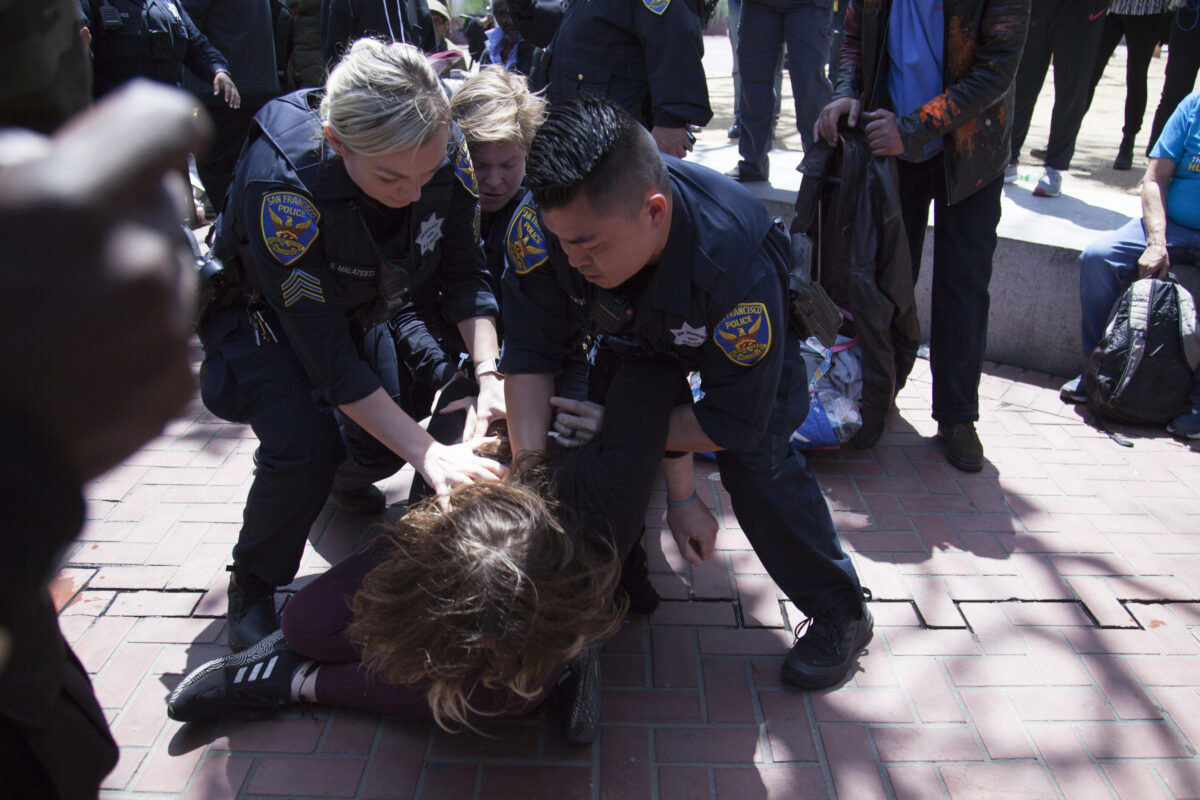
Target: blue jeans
{"points": [[735, 19], [765, 26], [1108, 265]]}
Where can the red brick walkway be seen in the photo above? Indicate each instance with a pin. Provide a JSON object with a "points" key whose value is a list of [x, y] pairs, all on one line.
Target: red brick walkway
{"points": [[1035, 635]]}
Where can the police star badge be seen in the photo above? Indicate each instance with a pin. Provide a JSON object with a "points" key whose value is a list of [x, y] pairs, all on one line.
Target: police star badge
{"points": [[430, 233], [744, 334], [464, 170], [687, 336], [289, 225], [525, 242]]}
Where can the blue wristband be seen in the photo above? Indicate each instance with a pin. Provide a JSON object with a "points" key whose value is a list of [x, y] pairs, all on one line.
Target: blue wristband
{"points": [[677, 503]]}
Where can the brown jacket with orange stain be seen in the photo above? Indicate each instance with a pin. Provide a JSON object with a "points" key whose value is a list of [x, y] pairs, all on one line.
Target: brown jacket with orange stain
{"points": [[982, 50]]}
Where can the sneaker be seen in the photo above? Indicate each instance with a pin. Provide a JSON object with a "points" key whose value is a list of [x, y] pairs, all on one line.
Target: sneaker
{"points": [[1010, 172], [1186, 425], [251, 615], [824, 654], [1039, 153], [365, 502], [581, 686], [1072, 392], [1050, 184], [256, 680], [963, 448], [734, 131]]}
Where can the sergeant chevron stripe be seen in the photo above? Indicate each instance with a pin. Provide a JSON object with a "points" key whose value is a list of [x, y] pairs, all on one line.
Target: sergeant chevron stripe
{"points": [[301, 284]]}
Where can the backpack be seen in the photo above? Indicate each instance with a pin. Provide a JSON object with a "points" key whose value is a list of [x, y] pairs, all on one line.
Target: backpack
{"points": [[1141, 370]]}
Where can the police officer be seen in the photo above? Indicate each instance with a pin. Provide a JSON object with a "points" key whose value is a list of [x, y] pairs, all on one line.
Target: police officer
{"points": [[675, 260], [152, 39], [644, 55], [341, 203]]}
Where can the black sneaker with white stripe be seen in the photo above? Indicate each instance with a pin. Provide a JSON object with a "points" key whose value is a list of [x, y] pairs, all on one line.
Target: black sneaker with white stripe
{"points": [[256, 680]]}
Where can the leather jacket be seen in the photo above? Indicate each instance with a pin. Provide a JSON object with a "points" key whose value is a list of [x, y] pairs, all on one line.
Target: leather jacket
{"points": [[983, 44], [849, 206]]}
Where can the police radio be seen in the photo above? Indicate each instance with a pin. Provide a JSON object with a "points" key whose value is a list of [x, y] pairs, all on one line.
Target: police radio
{"points": [[393, 280], [610, 312], [110, 18]]}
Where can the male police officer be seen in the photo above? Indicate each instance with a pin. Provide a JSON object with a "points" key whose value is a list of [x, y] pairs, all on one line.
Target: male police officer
{"points": [[673, 259], [644, 55]]}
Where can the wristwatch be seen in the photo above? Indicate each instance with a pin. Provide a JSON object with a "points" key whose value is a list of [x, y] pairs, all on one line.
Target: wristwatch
{"points": [[489, 366]]}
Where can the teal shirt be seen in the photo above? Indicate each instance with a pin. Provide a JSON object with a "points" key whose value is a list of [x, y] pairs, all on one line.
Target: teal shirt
{"points": [[1180, 142]]}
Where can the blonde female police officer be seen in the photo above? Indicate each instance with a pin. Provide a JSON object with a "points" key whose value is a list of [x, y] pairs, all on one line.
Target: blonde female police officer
{"points": [[341, 203]]}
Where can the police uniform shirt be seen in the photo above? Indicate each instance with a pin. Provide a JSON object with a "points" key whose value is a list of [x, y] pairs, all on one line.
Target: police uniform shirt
{"points": [[312, 242], [714, 301], [644, 55], [154, 39]]}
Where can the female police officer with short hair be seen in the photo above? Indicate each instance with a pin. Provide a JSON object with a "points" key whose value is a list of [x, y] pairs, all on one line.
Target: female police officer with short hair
{"points": [[341, 203]]}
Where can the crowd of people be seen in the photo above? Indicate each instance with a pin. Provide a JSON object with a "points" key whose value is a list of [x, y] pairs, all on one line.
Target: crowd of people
{"points": [[500, 268]]}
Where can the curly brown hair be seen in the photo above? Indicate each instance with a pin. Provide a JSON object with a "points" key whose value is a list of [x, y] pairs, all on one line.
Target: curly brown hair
{"points": [[493, 592]]}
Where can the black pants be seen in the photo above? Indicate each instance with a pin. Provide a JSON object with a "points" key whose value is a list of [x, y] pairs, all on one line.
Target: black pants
{"points": [[1069, 31], [304, 451], [1183, 62], [215, 166], [964, 239], [1141, 35]]}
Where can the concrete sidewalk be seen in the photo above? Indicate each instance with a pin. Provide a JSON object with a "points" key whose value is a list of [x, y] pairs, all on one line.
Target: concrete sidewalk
{"points": [[1036, 634]]}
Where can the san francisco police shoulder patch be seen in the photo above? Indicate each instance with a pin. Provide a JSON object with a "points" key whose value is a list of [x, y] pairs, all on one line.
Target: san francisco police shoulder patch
{"points": [[525, 241], [744, 334], [289, 225], [300, 284], [657, 6], [464, 169]]}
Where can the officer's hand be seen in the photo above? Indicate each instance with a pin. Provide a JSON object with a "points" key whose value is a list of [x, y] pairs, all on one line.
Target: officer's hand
{"points": [[694, 529], [1154, 262], [99, 281], [672, 141], [826, 126], [576, 422], [444, 466], [226, 89], [883, 134], [489, 405]]}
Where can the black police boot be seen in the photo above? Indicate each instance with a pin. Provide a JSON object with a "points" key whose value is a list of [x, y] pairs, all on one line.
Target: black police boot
{"points": [[251, 617], [635, 580], [735, 130], [365, 502], [824, 654], [255, 681], [581, 696]]}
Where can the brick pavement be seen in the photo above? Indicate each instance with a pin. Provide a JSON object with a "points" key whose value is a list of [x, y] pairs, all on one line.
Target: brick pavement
{"points": [[1036, 626], [1035, 635]]}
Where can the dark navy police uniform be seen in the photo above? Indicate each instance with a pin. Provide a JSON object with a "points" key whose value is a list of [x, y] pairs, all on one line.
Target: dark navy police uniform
{"points": [[716, 303], [644, 55], [153, 39], [311, 251]]}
